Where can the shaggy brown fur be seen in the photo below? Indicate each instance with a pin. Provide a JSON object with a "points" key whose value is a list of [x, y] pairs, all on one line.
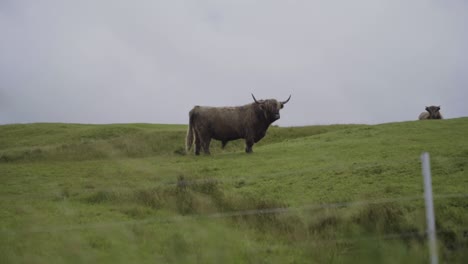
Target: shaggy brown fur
{"points": [[249, 122], [432, 113]]}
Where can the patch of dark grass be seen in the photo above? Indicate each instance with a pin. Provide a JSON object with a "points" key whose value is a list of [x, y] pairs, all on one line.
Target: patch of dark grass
{"points": [[137, 212], [387, 218], [455, 244], [85, 150], [240, 184], [178, 248], [26, 155], [150, 197], [184, 197], [98, 242], [107, 132], [324, 226], [102, 196], [264, 215], [209, 187], [459, 164], [368, 170], [180, 151], [63, 195], [153, 198]]}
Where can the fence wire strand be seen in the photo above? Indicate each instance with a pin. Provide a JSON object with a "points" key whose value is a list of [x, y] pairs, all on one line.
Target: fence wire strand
{"points": [[220, 215]]}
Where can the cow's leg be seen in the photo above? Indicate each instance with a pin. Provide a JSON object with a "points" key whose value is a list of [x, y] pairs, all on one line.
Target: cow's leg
{"points": [[224, 143], [248, 145], [198, 144], [206, 145]]}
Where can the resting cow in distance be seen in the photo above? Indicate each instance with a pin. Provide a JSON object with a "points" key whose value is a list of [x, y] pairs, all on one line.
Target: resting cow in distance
{"points": [[249, 122], [432, 113]]}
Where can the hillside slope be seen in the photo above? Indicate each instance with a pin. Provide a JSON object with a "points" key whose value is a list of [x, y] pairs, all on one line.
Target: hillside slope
{"points": [[129, 193]]}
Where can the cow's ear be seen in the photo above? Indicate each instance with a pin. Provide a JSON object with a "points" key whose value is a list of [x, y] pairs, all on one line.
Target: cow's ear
{"points": [[281, 106]]}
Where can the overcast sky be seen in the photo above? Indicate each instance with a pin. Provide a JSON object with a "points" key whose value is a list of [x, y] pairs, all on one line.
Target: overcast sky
{"points": [[112, 61]]}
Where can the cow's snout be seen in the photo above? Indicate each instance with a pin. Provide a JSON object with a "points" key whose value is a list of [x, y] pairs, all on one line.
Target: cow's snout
{"points": [[277, 116]]}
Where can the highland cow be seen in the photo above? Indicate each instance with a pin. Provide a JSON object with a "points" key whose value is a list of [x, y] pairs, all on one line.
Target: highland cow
{"points": [[432, 113], [249, 122]]}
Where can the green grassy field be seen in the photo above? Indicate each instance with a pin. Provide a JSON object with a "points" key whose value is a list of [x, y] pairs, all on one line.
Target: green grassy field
{"points": [[128, 193]]}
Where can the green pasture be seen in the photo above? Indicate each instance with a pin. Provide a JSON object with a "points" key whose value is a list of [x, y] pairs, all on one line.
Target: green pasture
{"points": [[128, 193]]}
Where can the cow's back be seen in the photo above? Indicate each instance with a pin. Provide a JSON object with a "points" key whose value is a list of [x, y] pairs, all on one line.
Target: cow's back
{"points": [[424, 115]]}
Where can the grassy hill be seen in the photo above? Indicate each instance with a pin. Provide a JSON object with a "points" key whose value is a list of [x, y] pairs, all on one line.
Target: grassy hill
{"points": [[128, 193]]}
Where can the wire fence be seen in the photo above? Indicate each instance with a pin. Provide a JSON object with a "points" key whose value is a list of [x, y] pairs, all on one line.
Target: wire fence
{"points": [[240, 213]]}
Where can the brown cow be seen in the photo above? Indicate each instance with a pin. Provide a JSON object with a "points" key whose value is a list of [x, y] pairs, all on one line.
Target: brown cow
{"points": [[249, 122], [432, 113]]}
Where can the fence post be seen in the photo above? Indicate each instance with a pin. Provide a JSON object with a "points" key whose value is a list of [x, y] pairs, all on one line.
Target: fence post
{"points": [[430, 218]]}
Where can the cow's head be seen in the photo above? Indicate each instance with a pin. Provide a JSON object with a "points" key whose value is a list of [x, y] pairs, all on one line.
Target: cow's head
{"points": [[433, 111], [271, 107]]}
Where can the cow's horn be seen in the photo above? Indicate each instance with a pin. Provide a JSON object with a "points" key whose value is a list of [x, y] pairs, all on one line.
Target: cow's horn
{"points": [[255, 99], [286, 100]]}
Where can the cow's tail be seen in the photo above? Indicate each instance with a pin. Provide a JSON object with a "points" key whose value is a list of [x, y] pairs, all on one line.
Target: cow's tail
{"points": [[190, 133]]}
